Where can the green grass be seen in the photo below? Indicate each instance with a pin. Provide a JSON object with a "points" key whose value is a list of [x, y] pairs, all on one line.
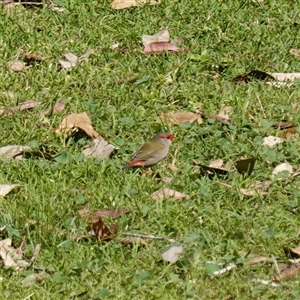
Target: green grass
{"points": [[218, 223]]}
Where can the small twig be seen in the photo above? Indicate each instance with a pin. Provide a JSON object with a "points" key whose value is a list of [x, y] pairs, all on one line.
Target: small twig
{"points": [[262, 108], [148, 236]]}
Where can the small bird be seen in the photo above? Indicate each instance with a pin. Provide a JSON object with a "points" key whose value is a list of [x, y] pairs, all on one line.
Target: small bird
{"points": [[152, 151]]}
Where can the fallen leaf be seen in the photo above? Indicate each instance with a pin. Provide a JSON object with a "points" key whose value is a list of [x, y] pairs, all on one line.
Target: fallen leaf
{"points": [[285, 76], [258, 188], [172, 254], [295, 52], [218, 163], [290, 133], [100, 149], [272, 141], [161, 36], [10, 256], [102, 213], [122, 4], [218, 118], [32, 57], [161, 47], [72, 59], [86, 55], [6, 188], [245, 166], [284, 167], [293, 253], [181, 117], [102, 231], [81, 121], [163, 193], [33, 278], [225, 112], [12, 151], [22, 106], [283, 125], [257, 259], [57, 108], [288, 273], [16, 66], [167, 179]]}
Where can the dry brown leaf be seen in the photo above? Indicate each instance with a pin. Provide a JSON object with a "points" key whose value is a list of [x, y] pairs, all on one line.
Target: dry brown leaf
{"points": [[294, 253], [132, 240], [102, 231], [12, 257], [57, 108], [288, 273], [295, 52], [258, 188], [181, 117], [100, 149], [12, 151], [81, 121], [164, 193], [290, 133], [161, 47], [22, 106], [257, 259], [102, 213], [161, 36], [7, 188], [167, 179], [214, 170], [33, 57], [218, 118], [122, 4], [16, 66]]}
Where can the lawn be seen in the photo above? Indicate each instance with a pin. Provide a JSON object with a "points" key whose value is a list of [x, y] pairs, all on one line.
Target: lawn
{"points": [[217, 224]]}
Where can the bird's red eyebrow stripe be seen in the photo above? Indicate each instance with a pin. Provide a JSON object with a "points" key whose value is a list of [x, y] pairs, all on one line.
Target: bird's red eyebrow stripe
{"points": [[169, 137]]}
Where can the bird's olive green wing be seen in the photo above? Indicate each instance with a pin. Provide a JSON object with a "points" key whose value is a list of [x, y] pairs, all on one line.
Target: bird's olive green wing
{"points": [[148, 150]]}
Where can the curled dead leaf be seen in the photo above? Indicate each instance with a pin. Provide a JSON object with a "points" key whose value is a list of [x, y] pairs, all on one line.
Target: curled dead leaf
{"points": [[293, 253], [258, 188], [288, 273], [102, 231], [161, 47], [181, 117], [100, 149], [16, 66], [81, 121], [161, 36], [12, 151], [172, 254], [7, 188], [164, 193], [295, 52], [122, 4]]}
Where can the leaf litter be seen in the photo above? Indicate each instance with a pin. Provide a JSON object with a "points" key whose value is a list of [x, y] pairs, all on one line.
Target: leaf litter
{"points": [[160, 43], [7, 188], [164, 193], [122, 4], [73, 60]]}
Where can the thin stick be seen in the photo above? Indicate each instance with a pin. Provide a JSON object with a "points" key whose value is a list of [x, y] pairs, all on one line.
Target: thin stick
{"points": [[148, 236]]}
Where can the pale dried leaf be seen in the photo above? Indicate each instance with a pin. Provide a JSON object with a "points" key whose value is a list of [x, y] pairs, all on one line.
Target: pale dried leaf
{"points": [[167, 179], [33, 278], [65, 64], [218, 163], [283, 167], [11, 257], [122, 4], [161, 47], [224, 112], [285, 76], [295, 52], [181, 117], [81, 121], [272, 141], [9, 152], [16, 66], [72, 61], [6, 188], [58, 107], [163, 193], [172, 254], [161, 36], [100, 149], [86, 55]]}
